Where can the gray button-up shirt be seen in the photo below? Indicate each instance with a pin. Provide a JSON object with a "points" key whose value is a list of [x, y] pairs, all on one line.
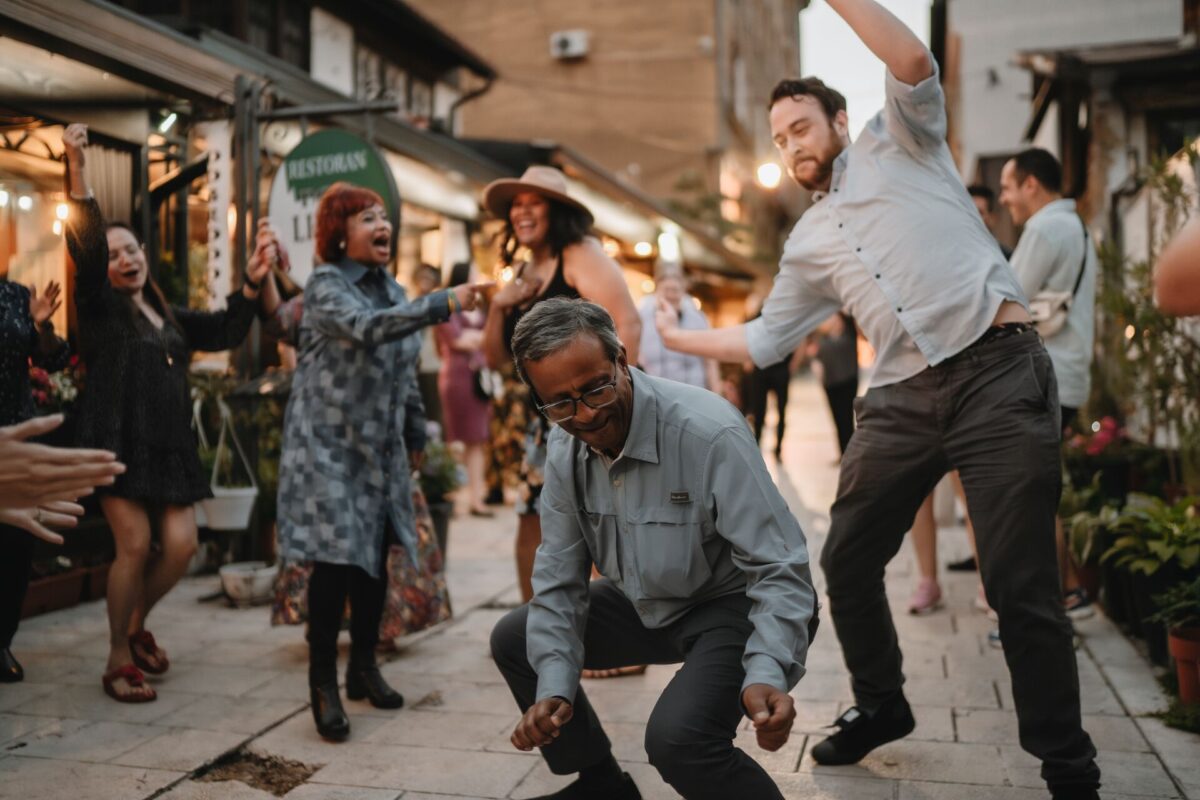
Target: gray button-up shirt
{"points": [[897, 242], [686, 513]]}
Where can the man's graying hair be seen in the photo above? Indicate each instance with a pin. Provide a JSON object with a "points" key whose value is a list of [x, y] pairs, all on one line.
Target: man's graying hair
{"points": [[553, 324]]}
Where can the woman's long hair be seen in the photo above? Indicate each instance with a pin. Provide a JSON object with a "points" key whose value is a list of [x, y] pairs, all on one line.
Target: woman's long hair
{"points": [[568, 226], [150, 291]]}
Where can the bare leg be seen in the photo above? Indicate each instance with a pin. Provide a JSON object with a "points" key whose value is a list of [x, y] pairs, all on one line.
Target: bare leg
{"points": [[924, 540], [1066, 569], [927, 594], [476, 462], [529, 536], [126, 580], [179, 542]]}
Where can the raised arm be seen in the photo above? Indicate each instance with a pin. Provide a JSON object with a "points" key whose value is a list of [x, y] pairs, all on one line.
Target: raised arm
{"points": [[1177, 274], [86, 240], [901, 50]]}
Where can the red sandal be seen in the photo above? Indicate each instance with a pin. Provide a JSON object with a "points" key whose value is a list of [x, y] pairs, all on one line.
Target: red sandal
{"points": [[145, 640], [132, 676]]}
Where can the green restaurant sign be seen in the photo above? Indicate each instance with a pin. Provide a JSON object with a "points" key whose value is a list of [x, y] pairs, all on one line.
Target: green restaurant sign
{"points": [[320, 160]]}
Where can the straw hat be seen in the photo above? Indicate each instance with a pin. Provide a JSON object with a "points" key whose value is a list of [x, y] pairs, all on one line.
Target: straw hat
{"points": [[546, 181]]}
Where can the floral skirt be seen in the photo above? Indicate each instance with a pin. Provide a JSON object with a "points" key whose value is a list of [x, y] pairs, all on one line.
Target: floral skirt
{"points": [[417, 597]]}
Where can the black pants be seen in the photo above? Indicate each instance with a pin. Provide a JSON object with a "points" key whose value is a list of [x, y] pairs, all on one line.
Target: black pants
{"points": [[328, 589], [689, 738], [16, 554], [775, 379], [992, 413], [841, 406]]}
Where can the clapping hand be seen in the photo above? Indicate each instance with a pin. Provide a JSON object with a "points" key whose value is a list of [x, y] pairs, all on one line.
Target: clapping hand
{"points": [[469, 294], [266, 252], [516, 293], [59, 513], [33, 475], [42, 308]]}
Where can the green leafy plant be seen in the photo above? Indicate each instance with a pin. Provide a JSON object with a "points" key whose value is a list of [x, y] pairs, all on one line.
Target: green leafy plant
{"points": [[1179, 606], [439, 472], [1151, 534]]}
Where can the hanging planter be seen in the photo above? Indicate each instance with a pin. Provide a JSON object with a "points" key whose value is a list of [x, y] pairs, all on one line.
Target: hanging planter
{"points": [[230, 507]]}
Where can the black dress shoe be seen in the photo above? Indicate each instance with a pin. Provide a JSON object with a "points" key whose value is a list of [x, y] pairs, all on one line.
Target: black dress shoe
{"points": [[966, 565], [626, 789], [10, 668], [860, 732], [367, 682], [1074, 793], [331, 719]]}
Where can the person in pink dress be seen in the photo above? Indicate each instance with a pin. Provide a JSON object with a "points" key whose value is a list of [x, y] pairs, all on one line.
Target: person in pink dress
{"points": [[466, 409]]}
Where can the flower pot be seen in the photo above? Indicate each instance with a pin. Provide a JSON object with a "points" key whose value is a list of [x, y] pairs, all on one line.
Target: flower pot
{"points": [[1115, 594], [1184, 644], [229, 509], [440, 514], [54, 592], [248, 582]]}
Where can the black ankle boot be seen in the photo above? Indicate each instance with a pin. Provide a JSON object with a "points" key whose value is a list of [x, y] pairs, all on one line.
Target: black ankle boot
{"points": [[366, 681], [10, 668], [331, 719], [860, 732]]}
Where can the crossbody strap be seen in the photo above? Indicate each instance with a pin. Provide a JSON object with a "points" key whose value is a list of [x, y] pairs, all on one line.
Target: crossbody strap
{"points": [[1082, 262]]}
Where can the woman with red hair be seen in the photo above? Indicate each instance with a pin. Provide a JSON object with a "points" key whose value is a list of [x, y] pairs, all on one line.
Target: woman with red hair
{"points": [[353, 431]]}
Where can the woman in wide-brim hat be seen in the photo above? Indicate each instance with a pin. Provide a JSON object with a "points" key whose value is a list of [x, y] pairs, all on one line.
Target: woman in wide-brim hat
{"points": [[563, 260]]}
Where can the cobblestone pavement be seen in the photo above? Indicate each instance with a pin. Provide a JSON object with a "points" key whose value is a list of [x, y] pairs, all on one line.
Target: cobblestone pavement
{"points": [[236, 682]]}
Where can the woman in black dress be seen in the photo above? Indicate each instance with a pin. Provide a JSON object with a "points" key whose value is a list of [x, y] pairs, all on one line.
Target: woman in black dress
{"points": [[136, 403], [26, 332]]}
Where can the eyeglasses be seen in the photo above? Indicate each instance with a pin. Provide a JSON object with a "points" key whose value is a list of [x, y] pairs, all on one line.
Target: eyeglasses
{"points": [[595, 399]]}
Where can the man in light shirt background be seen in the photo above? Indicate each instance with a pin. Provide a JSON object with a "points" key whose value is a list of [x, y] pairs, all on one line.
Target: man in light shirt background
{"points": [[670, 287], [1056, 254], [962, 382]]}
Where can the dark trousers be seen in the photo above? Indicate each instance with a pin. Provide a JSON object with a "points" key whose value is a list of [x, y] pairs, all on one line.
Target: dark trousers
{"points": [[841, 406], [992, 413], [328, 589], [774, 379], [16, 554], [689, 738]]}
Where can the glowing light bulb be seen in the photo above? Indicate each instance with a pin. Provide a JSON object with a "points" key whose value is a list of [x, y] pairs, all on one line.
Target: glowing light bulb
{"points": [[769, 174], [24, 202], [506, 275], [647, 286], [3, 198], [58, 227], [643, 249], [62, 210], [1130, 331]]}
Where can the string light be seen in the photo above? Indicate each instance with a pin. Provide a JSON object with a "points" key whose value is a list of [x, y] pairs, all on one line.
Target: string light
{"points": [[643, 249]]}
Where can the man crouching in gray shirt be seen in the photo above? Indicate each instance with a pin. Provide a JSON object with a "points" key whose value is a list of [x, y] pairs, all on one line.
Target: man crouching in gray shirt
{"points": [[663, 488]]}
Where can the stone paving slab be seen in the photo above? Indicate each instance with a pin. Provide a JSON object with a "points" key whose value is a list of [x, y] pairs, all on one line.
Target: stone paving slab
{"points": [[235, 679]]}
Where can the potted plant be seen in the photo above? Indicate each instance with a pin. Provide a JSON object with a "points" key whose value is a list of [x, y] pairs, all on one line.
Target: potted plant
{"points": [[1179, 611], [439, 478], [1086, 531], [1156, 544]]}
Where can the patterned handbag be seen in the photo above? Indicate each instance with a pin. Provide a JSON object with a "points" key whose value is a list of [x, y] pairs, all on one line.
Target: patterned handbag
{"points": [[416, 599]]}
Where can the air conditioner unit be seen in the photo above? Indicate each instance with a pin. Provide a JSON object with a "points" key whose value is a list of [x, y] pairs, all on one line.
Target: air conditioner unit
{"points": [[567, 45]]}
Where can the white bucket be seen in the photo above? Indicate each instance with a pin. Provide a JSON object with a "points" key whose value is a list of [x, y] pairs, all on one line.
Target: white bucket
{"points": [[229, 509], [247, 582]]}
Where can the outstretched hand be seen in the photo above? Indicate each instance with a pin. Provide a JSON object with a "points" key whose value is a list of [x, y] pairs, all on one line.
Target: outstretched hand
{"points": [[772, 711], [42, 307], [32, 475], [666, 318], [59, 513], [469, 294], [542, 723]]}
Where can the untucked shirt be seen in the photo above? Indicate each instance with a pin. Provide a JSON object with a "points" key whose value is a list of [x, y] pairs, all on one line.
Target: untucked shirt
{"points": [[657, 360], [686, 513], [897, 242], [1048, 258]]}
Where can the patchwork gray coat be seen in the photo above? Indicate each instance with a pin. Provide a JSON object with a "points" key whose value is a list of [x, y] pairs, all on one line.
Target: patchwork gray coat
{"points": [[353, 415]]}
